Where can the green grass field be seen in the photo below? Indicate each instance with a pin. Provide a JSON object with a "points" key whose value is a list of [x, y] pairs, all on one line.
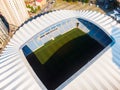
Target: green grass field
{"points": [[45, 52]]}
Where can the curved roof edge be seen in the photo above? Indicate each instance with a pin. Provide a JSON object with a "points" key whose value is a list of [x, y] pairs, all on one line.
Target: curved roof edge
{"points": [[102, 74]]}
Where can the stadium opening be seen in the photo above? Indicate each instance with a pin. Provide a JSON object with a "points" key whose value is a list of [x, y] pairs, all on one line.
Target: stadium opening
{"points": [[60, 50]]}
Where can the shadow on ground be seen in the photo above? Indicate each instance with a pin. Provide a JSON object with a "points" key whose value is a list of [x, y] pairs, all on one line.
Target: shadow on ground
{"points": [[66, 61]]}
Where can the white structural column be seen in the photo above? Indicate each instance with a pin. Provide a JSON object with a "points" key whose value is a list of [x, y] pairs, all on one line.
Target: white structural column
{"points": [[14, 11]]}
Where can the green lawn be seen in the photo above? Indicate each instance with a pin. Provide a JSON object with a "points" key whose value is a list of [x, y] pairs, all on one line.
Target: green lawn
{"points": [[45, 52]]}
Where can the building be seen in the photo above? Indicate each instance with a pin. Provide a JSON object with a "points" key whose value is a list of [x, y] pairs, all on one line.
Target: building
{"points": [[14, 11], [35, 6], [101, 73], [41, 3], [4, 30]]}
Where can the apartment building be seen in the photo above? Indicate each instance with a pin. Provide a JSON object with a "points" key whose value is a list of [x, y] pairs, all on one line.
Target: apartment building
{"points": [[4, 30], [14, 11]]}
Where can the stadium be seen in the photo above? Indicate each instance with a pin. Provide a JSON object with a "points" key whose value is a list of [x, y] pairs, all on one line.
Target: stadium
{"points": [[63, 49]]}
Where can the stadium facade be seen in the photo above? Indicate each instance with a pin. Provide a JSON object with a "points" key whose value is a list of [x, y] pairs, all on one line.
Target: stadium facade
{"points": [[101, 73]]}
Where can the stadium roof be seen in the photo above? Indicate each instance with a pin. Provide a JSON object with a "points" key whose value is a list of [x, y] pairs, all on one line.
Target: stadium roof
{"points": [[102, 74]]}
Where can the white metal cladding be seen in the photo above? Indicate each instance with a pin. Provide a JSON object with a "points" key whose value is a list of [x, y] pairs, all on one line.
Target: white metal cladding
{"points": [[103, 74]]}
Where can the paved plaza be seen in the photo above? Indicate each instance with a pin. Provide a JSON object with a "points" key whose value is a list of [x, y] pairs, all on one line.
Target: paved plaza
{"points": [[63, 5]]}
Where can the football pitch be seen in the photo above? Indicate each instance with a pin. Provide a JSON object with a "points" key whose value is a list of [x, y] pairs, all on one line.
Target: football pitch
{"points": [[60, 58], [45, 52]]}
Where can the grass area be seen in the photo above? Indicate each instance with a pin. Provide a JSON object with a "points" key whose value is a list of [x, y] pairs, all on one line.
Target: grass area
{"points": [[44, 53]]}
